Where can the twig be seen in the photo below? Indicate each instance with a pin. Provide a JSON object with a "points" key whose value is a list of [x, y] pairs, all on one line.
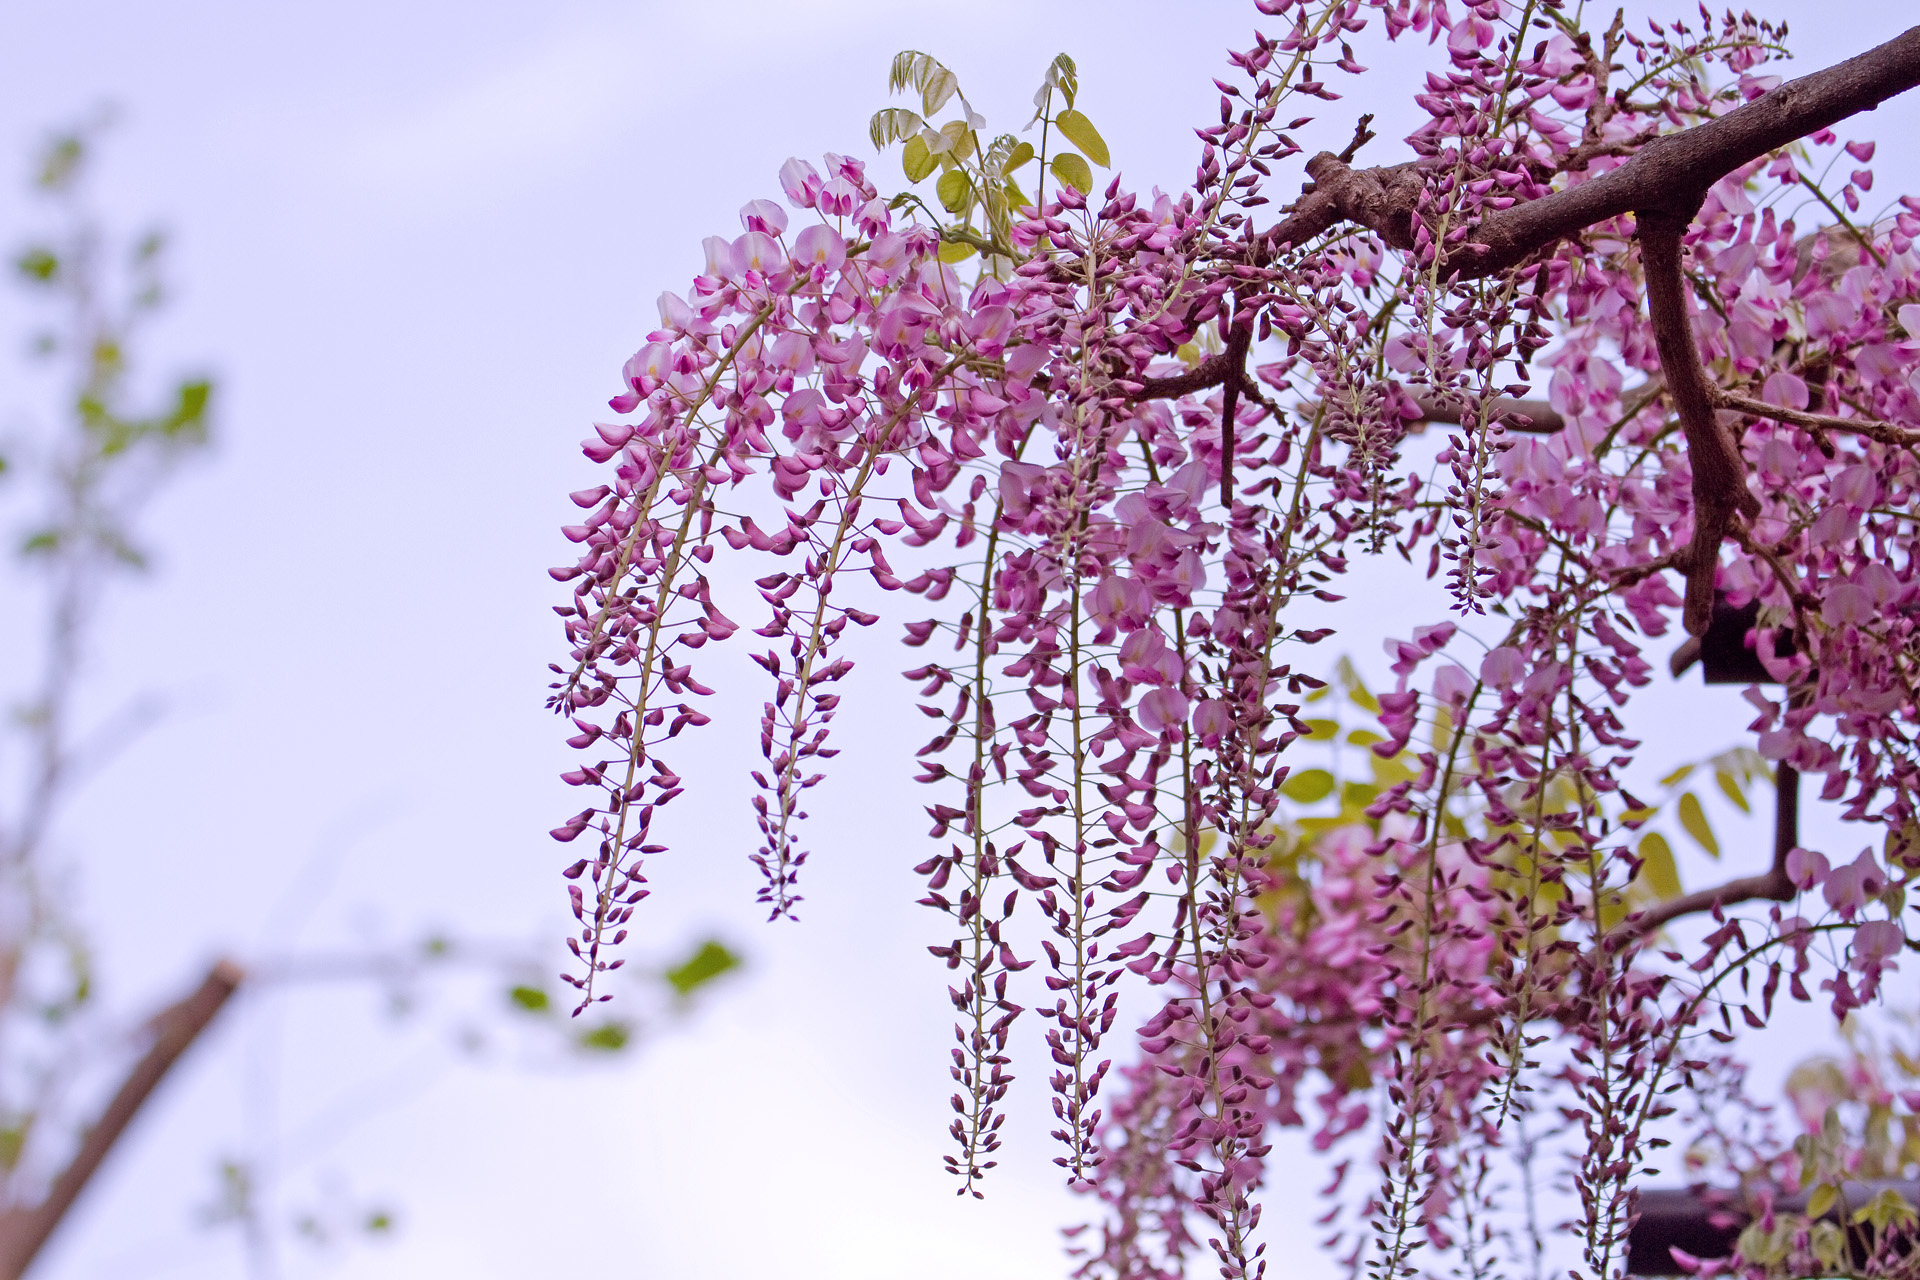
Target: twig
{"points": [[1884, 432]]}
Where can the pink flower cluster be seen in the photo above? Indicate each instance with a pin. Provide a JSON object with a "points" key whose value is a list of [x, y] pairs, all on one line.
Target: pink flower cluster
{"points": [[1145, 428]]}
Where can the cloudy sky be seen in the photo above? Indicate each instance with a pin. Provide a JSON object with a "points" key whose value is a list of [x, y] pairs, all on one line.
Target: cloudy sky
{"points": [[415, 241]]}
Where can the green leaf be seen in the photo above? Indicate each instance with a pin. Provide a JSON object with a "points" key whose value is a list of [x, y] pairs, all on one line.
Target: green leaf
{"points": [[608, 1037], [1022, 154], [1693, 819], [1887, 1208], [1081, 133], [532, 999], [1730, 787], [937, 89], [1829, 1243], [1364, 737], [1071, 169], [891, 124], [1677, 776], [925, 74], [1322, 730], [60, 161], [1822, 1199], [1308, 785], [37, 264], [955, 190], [703, 966], [189, 413], [1064, 76], [916, 159], [1656, 864], [952, 251]]}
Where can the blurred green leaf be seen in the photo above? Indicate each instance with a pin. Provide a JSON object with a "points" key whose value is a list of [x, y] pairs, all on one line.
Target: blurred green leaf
{"points": [[608, 1037], [532, 999], [1730, 787], [1657, 865], [1321, 730], [38, 264], [60, 161], [1693, 820], [1887, 1208], [703, 966], [1308, 785], [1677, 776]]}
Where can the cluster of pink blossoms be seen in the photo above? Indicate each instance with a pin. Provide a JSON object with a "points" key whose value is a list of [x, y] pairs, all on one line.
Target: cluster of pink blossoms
{"points": [[1146, 426]]}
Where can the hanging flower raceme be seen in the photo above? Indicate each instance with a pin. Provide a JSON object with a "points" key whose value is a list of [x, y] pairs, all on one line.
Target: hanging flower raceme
{"points": [[1122, 443]]}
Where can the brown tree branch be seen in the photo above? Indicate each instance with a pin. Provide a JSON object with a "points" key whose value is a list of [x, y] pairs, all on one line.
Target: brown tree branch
{"points": [[24, 1231], [1209, 373], [1719, 475], [1670, 174], [1884, 432]]}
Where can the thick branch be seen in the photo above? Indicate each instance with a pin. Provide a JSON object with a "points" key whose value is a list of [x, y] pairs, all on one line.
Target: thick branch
{"points": [[1381, 199], [1719, 475], [1209, 373], [23, 1231], [1773, 885], [1670, 174]]}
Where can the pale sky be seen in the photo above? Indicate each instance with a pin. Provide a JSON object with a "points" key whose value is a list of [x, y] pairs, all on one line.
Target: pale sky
{"points": [[415, 241]]}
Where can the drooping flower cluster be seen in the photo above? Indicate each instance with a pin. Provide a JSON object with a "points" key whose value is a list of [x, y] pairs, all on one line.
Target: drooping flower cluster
{"points": [[1147, 426]]}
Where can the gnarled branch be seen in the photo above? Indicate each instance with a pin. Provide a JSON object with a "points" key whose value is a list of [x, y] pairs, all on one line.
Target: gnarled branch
{"points": [[1670, 174], [1719, 475]]}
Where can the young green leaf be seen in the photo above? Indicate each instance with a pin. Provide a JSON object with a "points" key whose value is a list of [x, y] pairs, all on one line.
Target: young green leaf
{"points": [[959, 139], [955, 190], [702, 967], [1693, 819], [916, 160], [1071, 168], [1081, 133], [1657, 865], [1730, 787], [1308, 785], [1062, 75], [1022, 154], [952, 251], [892, 124]]}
